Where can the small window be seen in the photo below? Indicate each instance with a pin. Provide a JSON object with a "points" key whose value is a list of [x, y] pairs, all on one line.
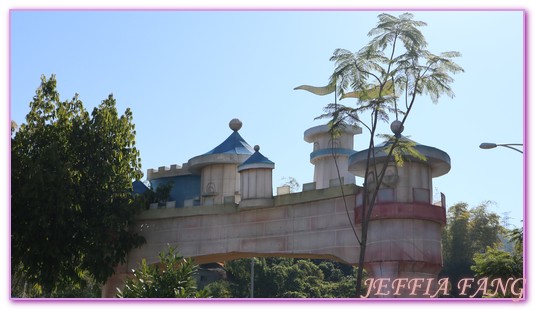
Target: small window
{"points": [[383, 195], [386, 195], [421, 195]]}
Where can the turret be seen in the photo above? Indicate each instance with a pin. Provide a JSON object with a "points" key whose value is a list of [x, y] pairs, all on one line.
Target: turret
{"points": [[256, 180], [329, 154], [404, 233], [220, 181]]}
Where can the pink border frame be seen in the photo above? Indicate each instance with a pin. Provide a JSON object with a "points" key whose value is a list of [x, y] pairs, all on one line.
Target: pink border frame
{"points": [[273, 300]]}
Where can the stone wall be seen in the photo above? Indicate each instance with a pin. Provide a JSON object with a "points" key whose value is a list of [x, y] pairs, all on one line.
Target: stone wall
{"points": [[312, 224]]}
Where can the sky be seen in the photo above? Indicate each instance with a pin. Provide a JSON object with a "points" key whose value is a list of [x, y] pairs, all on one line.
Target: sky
{"points": [[186, 74]]}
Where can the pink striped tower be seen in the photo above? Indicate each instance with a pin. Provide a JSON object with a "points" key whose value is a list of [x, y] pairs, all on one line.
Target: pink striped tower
{"points": [[404, 233]]}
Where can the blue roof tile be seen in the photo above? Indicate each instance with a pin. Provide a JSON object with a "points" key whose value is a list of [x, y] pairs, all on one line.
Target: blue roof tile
{"points": [[234, 144], [257, 158]]}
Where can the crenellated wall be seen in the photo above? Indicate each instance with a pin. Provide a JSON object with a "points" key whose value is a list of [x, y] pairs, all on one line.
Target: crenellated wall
{"points": [[165, 172]]}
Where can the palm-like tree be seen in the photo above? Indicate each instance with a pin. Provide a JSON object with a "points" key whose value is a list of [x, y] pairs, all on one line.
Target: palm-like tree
{"points": [[385, 77]]}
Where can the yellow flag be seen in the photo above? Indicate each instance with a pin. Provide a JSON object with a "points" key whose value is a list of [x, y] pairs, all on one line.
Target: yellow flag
{"points": [[371, 93], [321, 91]]}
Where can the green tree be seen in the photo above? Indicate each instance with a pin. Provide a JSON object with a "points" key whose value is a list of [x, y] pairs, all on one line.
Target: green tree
{"points": [[517, 237], [498, 264], [239, 277], [485, 228], [71, 202], [218, 289], [495, 263], [385, 76], [172, 277], [290, 278], [468, 232], [456, 245], [162, 193]]}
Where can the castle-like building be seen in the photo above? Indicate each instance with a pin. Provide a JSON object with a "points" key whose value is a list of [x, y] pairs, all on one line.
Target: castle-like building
{"points": [[221, 207]]}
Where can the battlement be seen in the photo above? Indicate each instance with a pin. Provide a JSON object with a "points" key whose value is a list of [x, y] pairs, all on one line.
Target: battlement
{"points": [[165, 172]]}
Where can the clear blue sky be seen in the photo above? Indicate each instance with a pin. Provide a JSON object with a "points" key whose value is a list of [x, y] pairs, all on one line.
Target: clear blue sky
{"points": [[185, 74]]}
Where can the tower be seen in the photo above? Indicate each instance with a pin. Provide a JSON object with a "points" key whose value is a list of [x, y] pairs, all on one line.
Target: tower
{"points": [[329, 152], [220, 181], [404, 232], [256, 180]]}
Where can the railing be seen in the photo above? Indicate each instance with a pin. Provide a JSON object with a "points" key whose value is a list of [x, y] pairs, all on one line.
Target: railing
{"points": [[419, 195], [419, 208]]}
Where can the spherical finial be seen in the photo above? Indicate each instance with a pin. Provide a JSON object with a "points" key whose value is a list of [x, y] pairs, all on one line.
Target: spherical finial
{"points": [[257, 148], [235, 124], [396, 127]]}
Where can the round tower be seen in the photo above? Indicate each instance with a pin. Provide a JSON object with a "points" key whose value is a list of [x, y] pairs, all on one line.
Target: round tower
{"points": [[324, 147], [220, 181], [256, 180], [404, 232]]}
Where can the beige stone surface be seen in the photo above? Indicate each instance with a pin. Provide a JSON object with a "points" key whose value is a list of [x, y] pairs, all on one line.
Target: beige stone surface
{"points": [[239, 217], [306, 222]]}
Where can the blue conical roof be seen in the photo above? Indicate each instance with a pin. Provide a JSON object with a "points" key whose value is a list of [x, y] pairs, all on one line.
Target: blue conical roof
{"points": [[234, 144], [234, 150], [257, 160]]}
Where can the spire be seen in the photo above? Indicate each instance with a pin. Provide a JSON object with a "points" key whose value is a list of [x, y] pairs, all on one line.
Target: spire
{"points": [[257, 160], [234, 144]]}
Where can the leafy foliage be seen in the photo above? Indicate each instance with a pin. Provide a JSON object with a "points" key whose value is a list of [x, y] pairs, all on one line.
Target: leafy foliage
{"points": [[517, 237], [286, 278], [468, 233], [407, 71], [456, 244], [219, 289], [173, 277], [485, 228], [85, 287], [402, 150], [162, 192], [71, 191], [498, 264], [495, 263]]}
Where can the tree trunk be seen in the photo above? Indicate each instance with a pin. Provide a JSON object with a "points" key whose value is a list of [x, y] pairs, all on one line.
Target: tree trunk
{"points": [[360, 272]]}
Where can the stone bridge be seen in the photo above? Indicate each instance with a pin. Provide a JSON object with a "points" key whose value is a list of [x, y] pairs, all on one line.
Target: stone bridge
{"points": [[308, 224]]}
